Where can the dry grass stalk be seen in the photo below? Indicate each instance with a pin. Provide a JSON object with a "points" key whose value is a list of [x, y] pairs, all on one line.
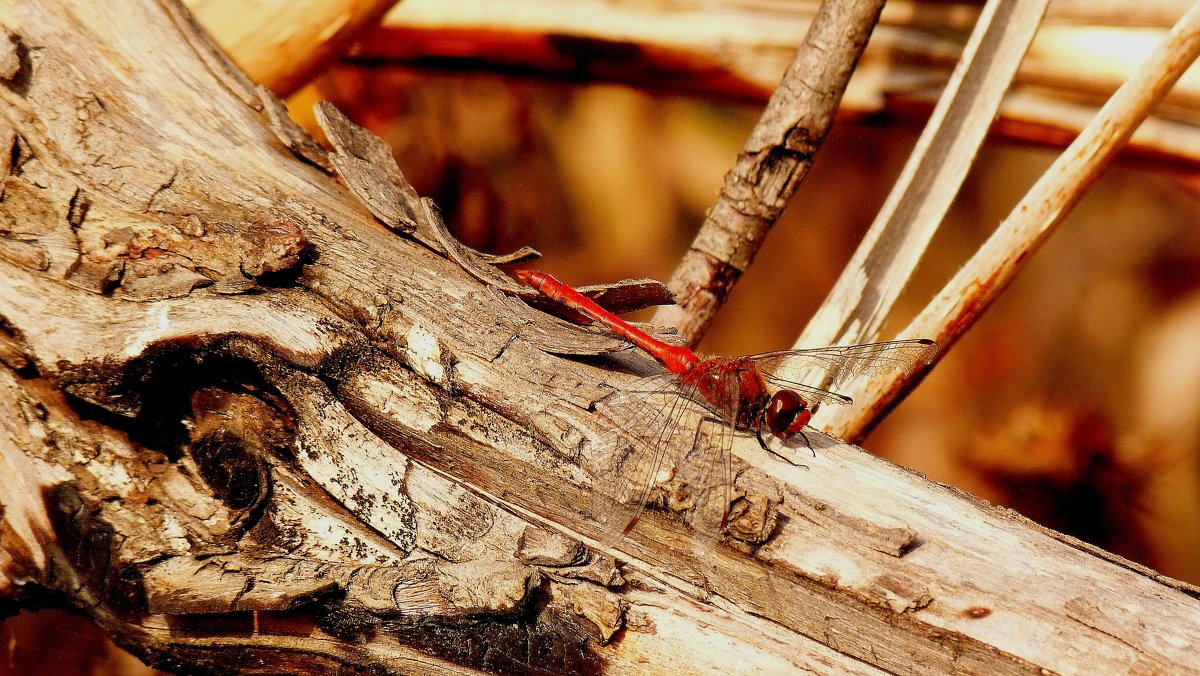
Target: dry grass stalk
{"points": [[993, 267], [889, 252]]}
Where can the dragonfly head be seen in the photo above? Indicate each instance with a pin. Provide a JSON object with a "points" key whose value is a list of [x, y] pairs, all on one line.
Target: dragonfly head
{"points": [[786, 414]]}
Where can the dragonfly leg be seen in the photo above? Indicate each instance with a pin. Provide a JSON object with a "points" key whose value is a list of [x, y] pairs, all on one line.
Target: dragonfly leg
{"points": [[807, 442], [761, 441], [789, 456]]}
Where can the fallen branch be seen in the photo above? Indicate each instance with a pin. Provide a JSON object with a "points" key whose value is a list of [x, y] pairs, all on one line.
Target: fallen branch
{"points": [[244, 423]]}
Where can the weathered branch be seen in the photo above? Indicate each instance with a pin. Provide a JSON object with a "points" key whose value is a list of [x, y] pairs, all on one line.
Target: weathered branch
{"points": [[771, 164], [889, 252], [971, 291], [243, 423]]}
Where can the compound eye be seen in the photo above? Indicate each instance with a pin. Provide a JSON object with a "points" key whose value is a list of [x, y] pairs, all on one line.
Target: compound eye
{"points": [[782, 411]]}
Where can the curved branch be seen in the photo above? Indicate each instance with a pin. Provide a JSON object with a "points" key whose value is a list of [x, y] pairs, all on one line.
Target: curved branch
{"points": [[249, 422]]}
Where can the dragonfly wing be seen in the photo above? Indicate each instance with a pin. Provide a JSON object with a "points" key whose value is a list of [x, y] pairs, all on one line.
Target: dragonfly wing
{"points": [[832, 366], [651, 421], [707, 469], [811, 394]]}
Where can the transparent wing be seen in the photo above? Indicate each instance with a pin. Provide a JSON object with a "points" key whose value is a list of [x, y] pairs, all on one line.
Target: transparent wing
{"points": [[707, 470], [832, 366], [811, 394], [654, 426]]}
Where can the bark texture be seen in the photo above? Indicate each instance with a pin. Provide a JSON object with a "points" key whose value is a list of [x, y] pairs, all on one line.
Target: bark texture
{"points": [[253, 415], [773, 161]]}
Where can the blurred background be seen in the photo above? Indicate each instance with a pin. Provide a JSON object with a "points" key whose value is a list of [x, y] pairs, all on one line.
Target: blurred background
{"points": [[1075, 401]]}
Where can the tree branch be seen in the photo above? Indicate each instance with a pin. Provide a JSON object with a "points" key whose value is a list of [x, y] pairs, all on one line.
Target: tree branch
{"points": [[772, 163], [971, 291], [249, 424]]}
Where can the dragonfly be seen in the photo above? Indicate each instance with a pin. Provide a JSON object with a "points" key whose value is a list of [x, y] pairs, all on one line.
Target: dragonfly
{"points": [[683, 422]]}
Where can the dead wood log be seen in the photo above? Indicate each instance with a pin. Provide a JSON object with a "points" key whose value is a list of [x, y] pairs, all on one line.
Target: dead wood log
{"points": [[245, 425]]}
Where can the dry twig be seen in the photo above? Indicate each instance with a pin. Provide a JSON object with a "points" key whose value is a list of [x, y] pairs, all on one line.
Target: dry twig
{"points": [[282, 44], [868, 287], [895, 242], [993, 267], [772, 163]]}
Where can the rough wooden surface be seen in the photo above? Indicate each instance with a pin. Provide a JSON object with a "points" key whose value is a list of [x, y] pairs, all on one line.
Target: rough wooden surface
{"points": [[242, 422]]}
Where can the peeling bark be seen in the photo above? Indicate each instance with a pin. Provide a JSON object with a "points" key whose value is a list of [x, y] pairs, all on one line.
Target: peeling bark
{"points": [[249, 417]]}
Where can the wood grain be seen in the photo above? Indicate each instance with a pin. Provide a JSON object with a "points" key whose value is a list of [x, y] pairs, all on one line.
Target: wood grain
{"points": [[308, 443]]}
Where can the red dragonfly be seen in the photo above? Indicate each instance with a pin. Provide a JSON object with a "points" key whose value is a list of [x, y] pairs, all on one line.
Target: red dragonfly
{"points": [[694, 409]]}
